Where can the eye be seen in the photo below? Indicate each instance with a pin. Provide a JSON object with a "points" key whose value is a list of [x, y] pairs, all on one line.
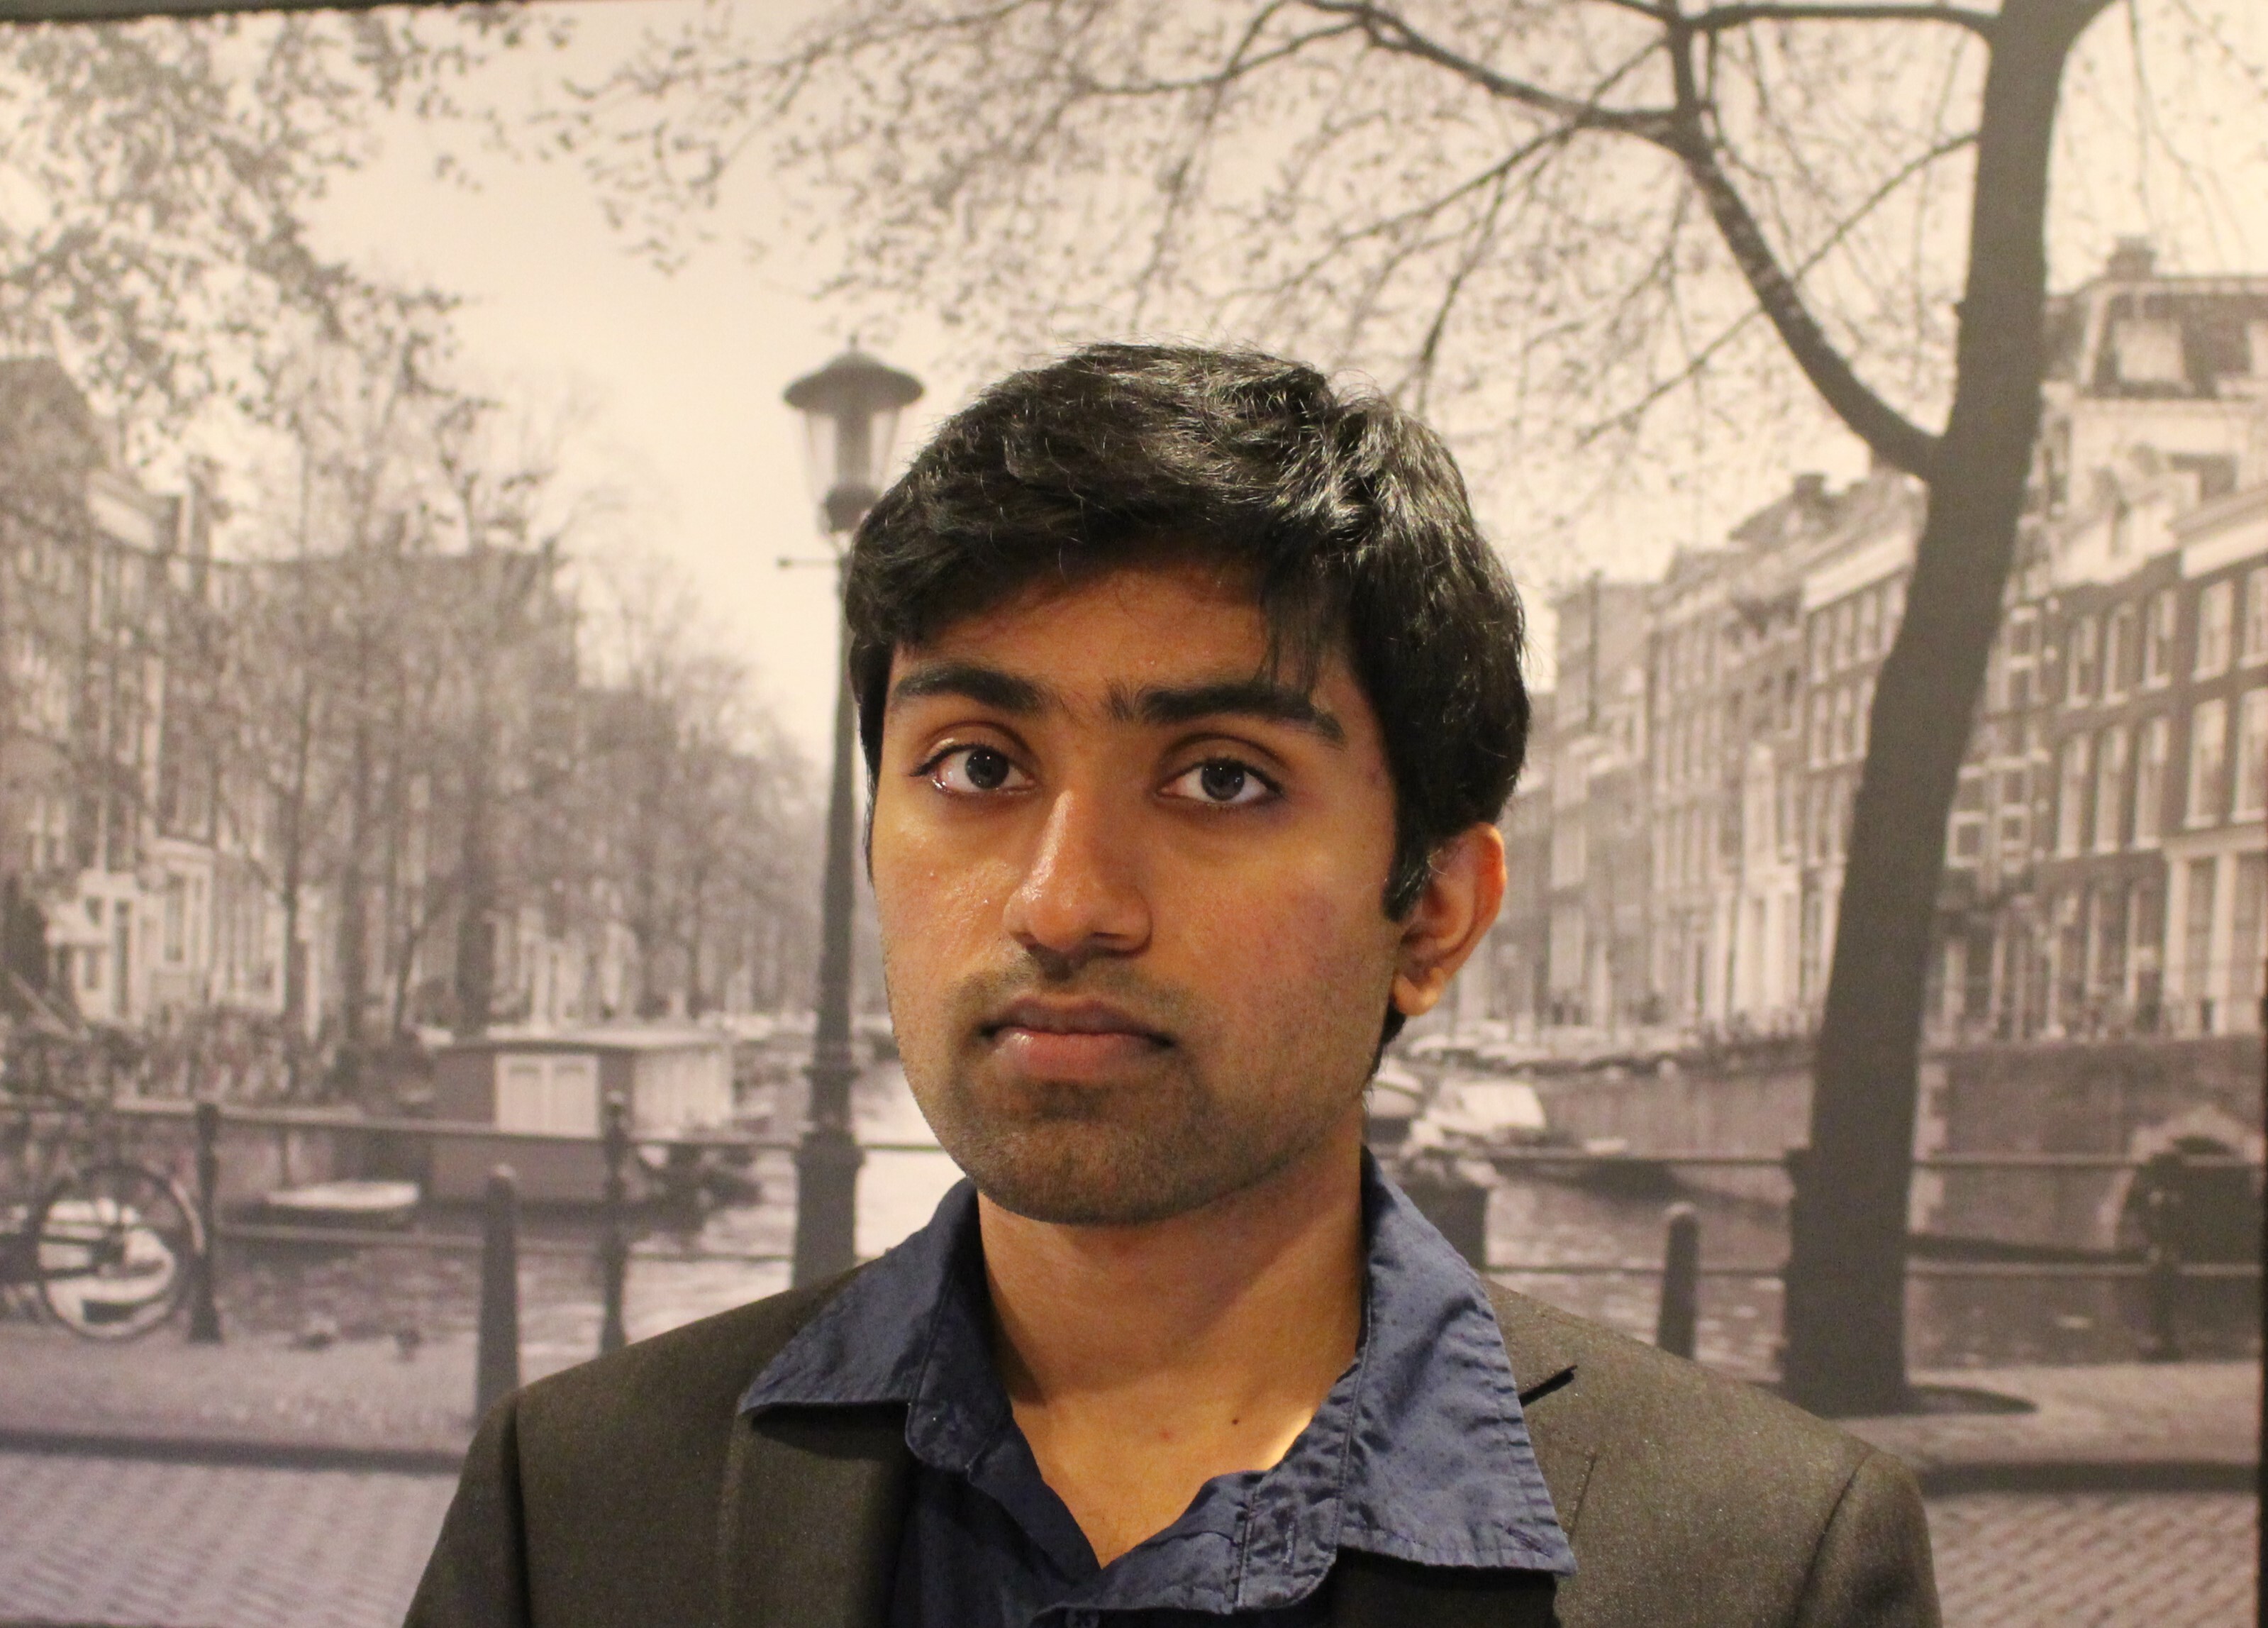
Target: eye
{"points": [[973, 771], [1222, 783]]}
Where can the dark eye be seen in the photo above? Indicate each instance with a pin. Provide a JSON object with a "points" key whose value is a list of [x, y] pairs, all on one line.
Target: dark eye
{"points": [[1221, 783], [973, 769]]}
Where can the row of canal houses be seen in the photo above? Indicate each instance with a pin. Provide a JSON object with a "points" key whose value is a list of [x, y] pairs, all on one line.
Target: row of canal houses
{"points": [[1678, 843]]}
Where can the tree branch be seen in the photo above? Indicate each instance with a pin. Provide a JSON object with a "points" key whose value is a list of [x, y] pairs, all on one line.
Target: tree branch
{"points": [[1739, 15], [1389, 32], [1894, 438]]}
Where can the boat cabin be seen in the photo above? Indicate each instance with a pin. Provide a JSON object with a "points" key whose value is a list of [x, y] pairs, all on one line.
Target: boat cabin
{"points": [[677, 1080]]}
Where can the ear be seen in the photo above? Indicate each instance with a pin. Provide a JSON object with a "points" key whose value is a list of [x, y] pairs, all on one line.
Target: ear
{"points": [[1464, 889]]}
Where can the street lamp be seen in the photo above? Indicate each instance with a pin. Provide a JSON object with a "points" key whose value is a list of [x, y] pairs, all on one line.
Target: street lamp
{"points": [[850, 410]]}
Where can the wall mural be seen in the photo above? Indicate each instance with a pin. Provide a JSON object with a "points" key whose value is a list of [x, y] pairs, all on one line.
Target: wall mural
{"points": [[431, 946]]}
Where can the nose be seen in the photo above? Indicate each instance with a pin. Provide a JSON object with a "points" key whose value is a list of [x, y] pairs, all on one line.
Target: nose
{"points": [[1081, 896]]}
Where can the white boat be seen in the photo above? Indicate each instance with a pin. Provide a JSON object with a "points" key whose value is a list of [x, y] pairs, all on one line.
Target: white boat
{"points": [[344, 1203]]}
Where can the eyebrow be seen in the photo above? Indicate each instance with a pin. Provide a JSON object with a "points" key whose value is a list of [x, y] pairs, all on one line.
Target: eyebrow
{"points": [[1162, 705], [974, 682], [1248, 698]]}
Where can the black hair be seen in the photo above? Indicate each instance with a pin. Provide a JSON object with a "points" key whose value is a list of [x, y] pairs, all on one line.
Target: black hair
{"points": [[1348, 514]]}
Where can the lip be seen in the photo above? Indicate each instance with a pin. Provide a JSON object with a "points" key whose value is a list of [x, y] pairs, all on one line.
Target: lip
{"points": [[1091, 1018], [1071, 1038]]}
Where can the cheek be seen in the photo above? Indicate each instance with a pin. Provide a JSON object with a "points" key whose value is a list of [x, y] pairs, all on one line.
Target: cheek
{"points": [[1313, 942], [933, 906]]}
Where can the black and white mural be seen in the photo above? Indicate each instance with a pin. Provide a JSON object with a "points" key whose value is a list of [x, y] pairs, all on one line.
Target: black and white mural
{"points": [[419, 669]]}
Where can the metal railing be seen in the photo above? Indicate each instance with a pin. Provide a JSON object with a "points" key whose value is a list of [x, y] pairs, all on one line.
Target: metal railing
{"points": [[2159, 1264]]}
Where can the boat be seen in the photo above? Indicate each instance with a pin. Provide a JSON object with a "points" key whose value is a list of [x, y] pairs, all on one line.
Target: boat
{"points": [[360, 1204]]}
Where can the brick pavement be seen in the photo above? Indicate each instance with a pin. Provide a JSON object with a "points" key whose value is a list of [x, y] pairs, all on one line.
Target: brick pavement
{"points": [[127, 1544], [2095, 1560], [141, 1545]]}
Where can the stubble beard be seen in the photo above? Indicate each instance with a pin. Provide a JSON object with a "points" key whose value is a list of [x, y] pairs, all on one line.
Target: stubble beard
{"points": [[1165, 1141]]}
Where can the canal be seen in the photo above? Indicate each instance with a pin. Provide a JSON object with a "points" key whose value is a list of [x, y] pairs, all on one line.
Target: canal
{"points": [[295, 1293]]}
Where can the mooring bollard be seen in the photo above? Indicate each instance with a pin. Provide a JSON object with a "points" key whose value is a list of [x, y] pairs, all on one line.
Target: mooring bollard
{"points": [[2161, 1256], [614, 1238], [204, 1311], [1680, 1283], [496, 1372]]}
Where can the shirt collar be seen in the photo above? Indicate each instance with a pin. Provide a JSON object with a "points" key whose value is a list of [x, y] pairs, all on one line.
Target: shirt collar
{"points": [[1420, 1451]]}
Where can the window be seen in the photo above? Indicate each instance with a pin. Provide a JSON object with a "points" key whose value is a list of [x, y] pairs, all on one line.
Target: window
{"points": [[1844, 729], [2150, 781], [1870, 623], [2147, 350], [2252, 754], [2110, 789], [2208, 755], [1845, 624], [177, 920], [2254, 646], [2216, 618], [2158, 638], [1819, 722], [1894, 609], [1863, 710], [558, 1094], [2118, 653], [2080, 674], [2246, 951], [1819, 645], [2071, 800], [2197, 927]]}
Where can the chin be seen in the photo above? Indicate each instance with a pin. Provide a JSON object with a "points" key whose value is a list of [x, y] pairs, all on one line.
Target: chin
{"points": [[1084, 1173]]}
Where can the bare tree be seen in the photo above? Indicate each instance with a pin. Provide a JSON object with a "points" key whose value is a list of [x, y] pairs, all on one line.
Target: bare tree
{"points": [[157, 178], [1584, 213]]}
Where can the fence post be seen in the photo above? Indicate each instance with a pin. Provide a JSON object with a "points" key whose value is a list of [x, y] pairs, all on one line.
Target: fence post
{"points": [[496, 1372], [2162, 1253], [204, 1312], [1680, 1283], [614, 1238], [1792, 1308]]}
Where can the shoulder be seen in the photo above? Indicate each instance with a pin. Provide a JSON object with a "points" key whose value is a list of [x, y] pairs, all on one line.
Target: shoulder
{"points": [[1690, 1497], [665, 1397], [1646, 1399]]}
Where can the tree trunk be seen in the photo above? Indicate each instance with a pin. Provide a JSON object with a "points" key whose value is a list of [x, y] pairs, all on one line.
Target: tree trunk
{"points": [[1845, 1307], [354, 904], [476, 979]]}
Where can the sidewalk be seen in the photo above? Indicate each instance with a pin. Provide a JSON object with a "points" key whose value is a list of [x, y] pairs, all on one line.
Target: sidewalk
{"points": [[356, 1403], [2128, 1426], [2110, 1427]]}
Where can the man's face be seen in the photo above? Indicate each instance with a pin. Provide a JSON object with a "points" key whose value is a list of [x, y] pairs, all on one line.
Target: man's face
{"points": [[1131, 885]]}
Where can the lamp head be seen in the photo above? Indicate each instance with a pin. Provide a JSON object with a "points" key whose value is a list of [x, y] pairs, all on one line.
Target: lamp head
{"points": [[850, 409]]}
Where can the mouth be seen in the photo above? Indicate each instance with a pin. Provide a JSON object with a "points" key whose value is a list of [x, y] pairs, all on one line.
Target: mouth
{"points": [[1070, 1040]]}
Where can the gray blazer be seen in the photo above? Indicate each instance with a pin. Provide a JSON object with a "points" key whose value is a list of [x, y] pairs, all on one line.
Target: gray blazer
{"points": [[630, 1493]]}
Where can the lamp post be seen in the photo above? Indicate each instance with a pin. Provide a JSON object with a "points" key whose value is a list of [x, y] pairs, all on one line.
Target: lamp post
{"points": [[850, 410]]}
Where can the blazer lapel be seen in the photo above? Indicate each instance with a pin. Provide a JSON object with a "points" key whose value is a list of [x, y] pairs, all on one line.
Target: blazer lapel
{"points": [[1370, 1591], [1544, 1368], [814, 1502]]}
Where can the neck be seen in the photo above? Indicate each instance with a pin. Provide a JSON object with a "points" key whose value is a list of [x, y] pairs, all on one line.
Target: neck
{"points": [[1201, 1344]]}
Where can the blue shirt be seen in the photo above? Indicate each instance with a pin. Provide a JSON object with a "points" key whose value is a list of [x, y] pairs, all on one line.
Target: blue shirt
{"points": [[1419, 1452]]}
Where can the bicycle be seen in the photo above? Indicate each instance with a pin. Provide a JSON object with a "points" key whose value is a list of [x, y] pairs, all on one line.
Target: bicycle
{"points": [[105, 1245]]}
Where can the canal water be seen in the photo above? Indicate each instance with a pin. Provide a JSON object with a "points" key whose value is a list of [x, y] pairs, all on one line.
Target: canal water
{"points": [[1532, 1222]]}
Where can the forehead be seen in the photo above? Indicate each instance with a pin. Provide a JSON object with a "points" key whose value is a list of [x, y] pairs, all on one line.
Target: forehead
{"points": [[1156, 642]]}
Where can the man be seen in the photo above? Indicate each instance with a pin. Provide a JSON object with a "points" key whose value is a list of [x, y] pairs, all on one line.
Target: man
{"points": [[1188, 693]]}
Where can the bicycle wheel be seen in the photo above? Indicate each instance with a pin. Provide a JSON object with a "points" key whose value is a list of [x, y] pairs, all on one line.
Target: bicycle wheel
{"points": [[115, 1246]]}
